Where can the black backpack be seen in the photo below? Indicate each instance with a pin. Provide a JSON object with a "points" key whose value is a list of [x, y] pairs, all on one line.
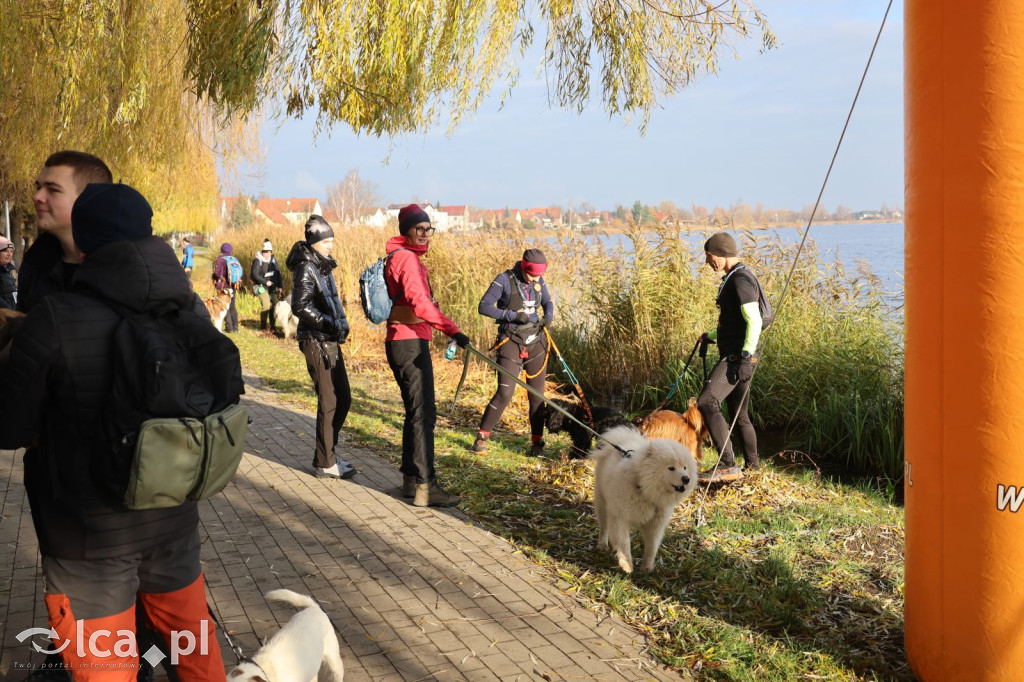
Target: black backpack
{"points": [[172, 422]]}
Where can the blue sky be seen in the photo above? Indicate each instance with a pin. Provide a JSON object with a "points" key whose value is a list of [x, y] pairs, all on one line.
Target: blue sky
{"points": [[762, 131]]}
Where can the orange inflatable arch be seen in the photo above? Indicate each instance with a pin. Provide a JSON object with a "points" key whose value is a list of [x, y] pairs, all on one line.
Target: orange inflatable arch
{"points": [[964, 86]]}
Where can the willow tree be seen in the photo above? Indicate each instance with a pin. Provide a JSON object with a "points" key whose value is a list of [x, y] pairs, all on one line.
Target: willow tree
{"points": [[392, 66], [157, 87], [108, 77]]}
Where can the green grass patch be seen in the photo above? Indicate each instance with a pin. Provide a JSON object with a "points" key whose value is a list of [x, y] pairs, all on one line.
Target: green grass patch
{"points": [[782, 576]]}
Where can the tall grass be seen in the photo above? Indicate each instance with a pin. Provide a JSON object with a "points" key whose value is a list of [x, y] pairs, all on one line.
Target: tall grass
{"points": [[831, 375]]}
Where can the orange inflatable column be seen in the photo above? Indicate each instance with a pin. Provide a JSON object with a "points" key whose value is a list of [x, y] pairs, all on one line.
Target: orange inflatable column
{"points": [[965, 339]]}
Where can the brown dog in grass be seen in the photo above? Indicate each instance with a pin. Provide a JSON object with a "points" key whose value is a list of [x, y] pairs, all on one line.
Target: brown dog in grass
{"points": [[218, 307], [687, 428]]}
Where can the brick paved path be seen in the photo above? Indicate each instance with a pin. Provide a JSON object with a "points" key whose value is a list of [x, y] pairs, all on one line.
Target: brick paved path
{"points": [[418, 594]]}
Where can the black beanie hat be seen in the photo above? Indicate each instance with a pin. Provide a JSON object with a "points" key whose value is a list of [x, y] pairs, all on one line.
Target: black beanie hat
{"points": [[409, 216], [722, 244], [317, 229], [109, 212]]}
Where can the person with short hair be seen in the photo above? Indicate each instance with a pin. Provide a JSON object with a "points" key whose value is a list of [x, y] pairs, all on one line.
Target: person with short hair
{"points": [[266, 281], [414, 317], [323, 328], [737, 336], [98, 556], [50, 263], [8, 275], [188, 259], [222, 282], [521, 305]]}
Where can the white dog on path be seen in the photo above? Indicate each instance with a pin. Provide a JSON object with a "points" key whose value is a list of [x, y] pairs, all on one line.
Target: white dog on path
{"points": [[296, 651], [638, 491]]}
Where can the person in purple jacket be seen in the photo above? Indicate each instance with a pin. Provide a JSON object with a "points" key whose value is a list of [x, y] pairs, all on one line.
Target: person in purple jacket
{"points": [[227, 276], [521, 305]]}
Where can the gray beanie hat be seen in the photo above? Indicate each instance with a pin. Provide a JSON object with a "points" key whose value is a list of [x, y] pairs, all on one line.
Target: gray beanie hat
{"points": [[722, 244]]}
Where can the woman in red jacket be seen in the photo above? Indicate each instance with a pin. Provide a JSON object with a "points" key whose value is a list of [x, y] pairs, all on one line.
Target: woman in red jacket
{"points": [[414, 316]]}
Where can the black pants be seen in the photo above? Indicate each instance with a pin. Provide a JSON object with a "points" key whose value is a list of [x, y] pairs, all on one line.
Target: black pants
{"points": [[723, 385], [333, 399], [414, 371], [231, 320], [508, 357]]}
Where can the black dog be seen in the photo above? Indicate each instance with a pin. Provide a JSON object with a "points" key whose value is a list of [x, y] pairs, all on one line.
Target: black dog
{"points": [[604, 418]]}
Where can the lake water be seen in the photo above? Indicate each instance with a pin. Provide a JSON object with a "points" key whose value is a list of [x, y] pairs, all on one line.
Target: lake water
{"points": [[879, 245]]}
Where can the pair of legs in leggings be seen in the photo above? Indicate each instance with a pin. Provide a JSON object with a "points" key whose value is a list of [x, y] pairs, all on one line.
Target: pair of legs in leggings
{"points": [[723, 384], [91, 605], [509, 356]]}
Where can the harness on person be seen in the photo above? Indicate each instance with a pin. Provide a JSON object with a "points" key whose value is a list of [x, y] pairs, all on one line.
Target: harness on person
{"points": [[172, 424], [234, 271], [764, 306], [373, 290]]}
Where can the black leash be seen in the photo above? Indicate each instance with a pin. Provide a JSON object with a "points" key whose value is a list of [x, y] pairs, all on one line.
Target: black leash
{"points": [[235, 649], [702, 344], [531, 389]]}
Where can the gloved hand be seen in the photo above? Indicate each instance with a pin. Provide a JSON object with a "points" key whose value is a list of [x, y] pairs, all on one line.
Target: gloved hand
{"points": [[546, 322], [330, 327], [521, 318], [343, 329], [740, 369], [460, 339]]}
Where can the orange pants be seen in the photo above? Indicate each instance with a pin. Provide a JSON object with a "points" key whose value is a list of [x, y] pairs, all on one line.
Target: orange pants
{"points": [[104, 650]]}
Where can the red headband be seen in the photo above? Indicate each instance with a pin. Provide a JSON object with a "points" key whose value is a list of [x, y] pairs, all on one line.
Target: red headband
{"points": [[534, 269]]}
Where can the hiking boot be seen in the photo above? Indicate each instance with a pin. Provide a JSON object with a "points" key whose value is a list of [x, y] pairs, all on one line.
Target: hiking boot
{"points": [[433, 495], [408, 486], [479, 446], [721, 475], [536, 449]]}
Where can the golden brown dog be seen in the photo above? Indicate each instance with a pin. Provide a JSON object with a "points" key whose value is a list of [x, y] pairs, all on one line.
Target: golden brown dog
{"points": [[218, 307], [687, 428]]}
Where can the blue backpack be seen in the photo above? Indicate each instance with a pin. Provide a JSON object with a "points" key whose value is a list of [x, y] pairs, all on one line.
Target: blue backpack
{"points": [[373, 291], [234, 271]]}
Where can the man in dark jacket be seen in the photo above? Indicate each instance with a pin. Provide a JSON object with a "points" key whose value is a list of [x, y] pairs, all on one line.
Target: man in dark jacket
{"points": [[737, 335], [98, 556], [266, 280], [51, 261], [323, 327]]}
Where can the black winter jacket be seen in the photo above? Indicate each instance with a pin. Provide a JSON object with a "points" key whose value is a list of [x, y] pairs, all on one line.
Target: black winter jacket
{"points": [[58, 379], [264, 273], [315, 298], [43, 272], [8, 286]]}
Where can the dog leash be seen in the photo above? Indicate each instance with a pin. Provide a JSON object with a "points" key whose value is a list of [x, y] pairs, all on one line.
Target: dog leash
{"points": [[704, 350], [235, 649], [572, 378], [547, 401]]}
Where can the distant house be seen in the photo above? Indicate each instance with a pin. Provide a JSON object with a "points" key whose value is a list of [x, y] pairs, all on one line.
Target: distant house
{"points": [[378, 218], [295, 210], [227, 205], [458, 216]]}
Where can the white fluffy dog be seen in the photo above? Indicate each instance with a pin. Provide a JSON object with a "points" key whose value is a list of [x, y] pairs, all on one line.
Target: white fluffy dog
{"points": [[639, 491], [296, 651], [286, 318]]}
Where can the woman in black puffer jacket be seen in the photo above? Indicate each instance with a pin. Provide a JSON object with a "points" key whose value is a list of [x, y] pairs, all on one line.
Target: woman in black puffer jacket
{"points": [[323, 327]]}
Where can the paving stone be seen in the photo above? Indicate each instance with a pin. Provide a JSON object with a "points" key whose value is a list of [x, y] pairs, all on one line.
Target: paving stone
{"points": [[418, 594]]}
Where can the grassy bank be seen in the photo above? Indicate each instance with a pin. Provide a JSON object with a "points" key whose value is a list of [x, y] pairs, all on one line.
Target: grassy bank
{"points": [[789, 578], [831, 376], [781, 577]]}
